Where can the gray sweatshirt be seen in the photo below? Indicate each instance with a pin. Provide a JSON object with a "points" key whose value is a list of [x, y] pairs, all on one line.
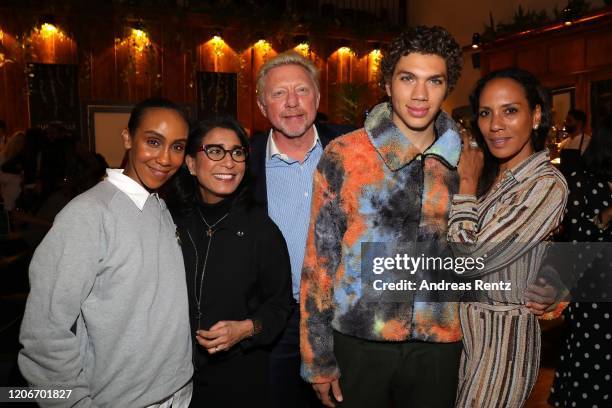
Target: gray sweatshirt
{"points": [[118, 273]]}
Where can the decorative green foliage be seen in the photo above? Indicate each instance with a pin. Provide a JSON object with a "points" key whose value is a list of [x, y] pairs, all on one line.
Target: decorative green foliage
{"points": [[349, 102], [529, 19]]}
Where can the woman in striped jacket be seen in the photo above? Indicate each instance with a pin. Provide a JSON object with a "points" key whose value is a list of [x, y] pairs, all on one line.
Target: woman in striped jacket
{"points": [[504, 214]]}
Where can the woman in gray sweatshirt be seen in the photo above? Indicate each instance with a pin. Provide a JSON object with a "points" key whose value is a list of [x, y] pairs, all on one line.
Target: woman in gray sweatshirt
{"points": [[107, 315]]}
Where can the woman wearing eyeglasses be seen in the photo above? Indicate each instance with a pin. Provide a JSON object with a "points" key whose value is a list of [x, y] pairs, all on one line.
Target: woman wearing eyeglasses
{"points": [[237, 266]]}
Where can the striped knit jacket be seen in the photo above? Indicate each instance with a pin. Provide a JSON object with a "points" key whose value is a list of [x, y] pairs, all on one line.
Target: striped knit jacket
{"points": [[373, 185], [510, 225]]}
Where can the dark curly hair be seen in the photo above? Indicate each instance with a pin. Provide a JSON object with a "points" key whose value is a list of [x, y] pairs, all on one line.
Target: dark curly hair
{"points": [[428, 41], [535, 94]]}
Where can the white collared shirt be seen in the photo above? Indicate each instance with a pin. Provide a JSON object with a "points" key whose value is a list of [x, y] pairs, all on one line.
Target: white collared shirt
{"points": [[137, 193], [272, 148]]}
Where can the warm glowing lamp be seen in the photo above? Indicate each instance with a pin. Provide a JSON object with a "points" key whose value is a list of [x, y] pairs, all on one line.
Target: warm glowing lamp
{"points": [[139, 34], [48, 26], [303, 48], [567, 15], [476, 41], [48, 30], [263, 46], [139, 37], [218, 44]]}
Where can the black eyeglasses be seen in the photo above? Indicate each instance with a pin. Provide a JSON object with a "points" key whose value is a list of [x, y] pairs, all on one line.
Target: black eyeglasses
{"points": [[217, 153]]}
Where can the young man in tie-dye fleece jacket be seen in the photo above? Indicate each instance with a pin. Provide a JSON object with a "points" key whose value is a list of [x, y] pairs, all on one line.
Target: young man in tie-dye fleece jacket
{"points": [[390, 181]]}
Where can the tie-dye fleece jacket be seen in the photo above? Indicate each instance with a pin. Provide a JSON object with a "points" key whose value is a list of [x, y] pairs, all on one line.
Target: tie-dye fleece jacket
{"points": [[373, 185]]}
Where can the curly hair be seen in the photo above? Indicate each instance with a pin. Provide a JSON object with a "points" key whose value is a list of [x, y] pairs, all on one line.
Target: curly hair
{"points": [[428, 41]]}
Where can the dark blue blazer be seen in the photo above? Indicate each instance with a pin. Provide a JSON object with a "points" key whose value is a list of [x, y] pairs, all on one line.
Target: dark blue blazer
{"points": [[327, 132]]}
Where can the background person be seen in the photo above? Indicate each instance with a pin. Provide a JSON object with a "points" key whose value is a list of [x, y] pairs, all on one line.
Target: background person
{"points": [[4, 134], [582, 377], [11, 177], [572, 148], [237, 266]]}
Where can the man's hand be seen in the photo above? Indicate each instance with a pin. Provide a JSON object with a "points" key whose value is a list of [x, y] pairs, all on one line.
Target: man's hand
{"points": [[541, 298], [322, 390]]}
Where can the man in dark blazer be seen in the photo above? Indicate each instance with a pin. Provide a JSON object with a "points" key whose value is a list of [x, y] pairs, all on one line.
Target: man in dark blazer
{"points": [[259, 141], [283, 162]]}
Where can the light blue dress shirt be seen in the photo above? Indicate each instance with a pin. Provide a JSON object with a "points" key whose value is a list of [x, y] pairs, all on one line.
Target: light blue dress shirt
{"points": [[289, 187]]}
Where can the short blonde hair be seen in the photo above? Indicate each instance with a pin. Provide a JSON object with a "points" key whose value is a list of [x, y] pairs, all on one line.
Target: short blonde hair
{"points": [[286, 58]]}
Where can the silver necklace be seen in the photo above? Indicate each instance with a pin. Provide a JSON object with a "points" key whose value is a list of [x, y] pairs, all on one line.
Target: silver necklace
{"points": [[209, 232], [210, 229]]}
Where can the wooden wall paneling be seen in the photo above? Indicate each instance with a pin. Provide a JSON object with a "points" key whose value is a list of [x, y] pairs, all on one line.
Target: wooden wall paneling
{"points": [[154, 79], [260, 55], [599, 49], [175, 77], [4, 102], [360, 69], [566, 56], [149, 67], [582, 94], [574, 56], [321, 65], [532, 59], [13, 90], [595, 76], [122, 73], [245, 91], [190, 76], [600, 74], [104, 76], [501, 59], [233, 62], [13, 96], [108, 72], [250, 99], [333, 84], [85, 58], [255, 60], [65, 51]]}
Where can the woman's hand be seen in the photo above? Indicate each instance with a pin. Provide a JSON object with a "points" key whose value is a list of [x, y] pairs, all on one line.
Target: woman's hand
{"points": [[470, 165], [224, 334]]}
